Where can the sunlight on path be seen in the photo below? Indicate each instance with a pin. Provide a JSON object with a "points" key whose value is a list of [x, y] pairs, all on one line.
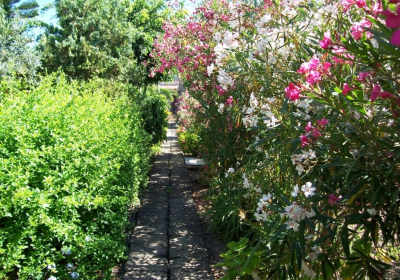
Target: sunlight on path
{"points": [[167, 242]]}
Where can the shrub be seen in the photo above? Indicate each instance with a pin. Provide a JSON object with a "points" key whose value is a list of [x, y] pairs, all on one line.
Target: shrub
{"points": [[72, 160], [189, 142], [153, 108], [298, 104]]}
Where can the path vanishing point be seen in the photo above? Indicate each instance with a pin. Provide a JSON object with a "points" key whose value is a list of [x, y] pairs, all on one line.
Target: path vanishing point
{"points": [[167, 242]]}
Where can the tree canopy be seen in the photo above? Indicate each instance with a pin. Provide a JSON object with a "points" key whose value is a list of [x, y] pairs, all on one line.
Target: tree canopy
{"points": [[108, 39], [17, 56], [27, 9]]}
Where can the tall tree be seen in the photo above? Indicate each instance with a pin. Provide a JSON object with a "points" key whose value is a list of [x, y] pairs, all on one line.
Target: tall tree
{"points": [[27, 9], [148, 17], [93, 39], [17, 56], [110, 39]]}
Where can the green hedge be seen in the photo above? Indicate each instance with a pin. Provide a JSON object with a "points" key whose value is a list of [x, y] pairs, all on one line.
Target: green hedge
{"points": [[72, 160], [154, 116]]}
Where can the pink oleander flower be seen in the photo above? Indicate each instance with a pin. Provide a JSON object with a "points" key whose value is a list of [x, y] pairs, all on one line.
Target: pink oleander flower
{"points": [[395, 39], [292, 92], [316, 133], [343, 53], [309, 127], [346, 89], [362, 76], [332, 199], [306, 67], [221, 91], [357, 30], [326, 67], [361, 3], [347, 4], [322, 122], [377, 92], [326, 42], [377, 8], [392, 20], [314, 62], [230, 100], [337, 60], [304, 140], [314, 76]]}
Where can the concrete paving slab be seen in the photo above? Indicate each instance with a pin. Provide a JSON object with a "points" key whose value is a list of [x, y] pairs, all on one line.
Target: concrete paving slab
{"points": [[146, 275], [151, 264], [167, 242]]}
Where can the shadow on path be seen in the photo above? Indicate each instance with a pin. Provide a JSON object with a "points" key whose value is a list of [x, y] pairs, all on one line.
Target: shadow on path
{"points": [[167, 242]]}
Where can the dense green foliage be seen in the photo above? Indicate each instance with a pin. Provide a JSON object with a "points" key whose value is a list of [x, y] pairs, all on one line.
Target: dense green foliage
{"points": [[72, 160], [75, 147], [109, 39], [190, 142], [93, 40], [153, 110]]}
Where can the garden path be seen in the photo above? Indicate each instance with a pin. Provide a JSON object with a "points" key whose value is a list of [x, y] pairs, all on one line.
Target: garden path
{"points": [[167, 242]]}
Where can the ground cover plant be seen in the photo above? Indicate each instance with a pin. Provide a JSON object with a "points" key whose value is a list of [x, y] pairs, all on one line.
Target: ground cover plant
{"points": [[73, 157], [297, 107]]}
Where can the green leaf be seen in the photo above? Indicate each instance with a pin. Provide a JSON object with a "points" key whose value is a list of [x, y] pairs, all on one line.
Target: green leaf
{"points": [[344, 235], [299, 256]]}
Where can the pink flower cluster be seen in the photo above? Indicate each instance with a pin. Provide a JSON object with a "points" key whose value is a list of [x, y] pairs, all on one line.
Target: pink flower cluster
{"points": [[393, 21], [377, 92], [174, 52], [293, 92], [314, 70], [357, 30], [332, 199], [326, 42], [313, 133]]}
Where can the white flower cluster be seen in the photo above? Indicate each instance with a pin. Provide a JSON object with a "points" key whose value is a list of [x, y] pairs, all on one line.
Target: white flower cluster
{"points": [[221, 108], [224, 79], [230, 170], [296, 214], [302, 160], [262, 209], [251, 112], [230, 40], [305, 105], [210, 69], [307, 271], [220, 53], [246, 183], [316, 250]]}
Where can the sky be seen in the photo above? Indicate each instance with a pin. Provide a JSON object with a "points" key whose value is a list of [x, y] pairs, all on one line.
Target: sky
{"points": [[48, 16]]}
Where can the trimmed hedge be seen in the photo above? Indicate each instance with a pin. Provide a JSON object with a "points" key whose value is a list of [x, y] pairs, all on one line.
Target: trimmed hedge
{"points": [[72, 160], [154, 116]]}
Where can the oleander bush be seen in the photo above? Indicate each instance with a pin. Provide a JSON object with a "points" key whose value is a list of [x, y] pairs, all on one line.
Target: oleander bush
{"points": [[297, 105], [73, 157]]}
